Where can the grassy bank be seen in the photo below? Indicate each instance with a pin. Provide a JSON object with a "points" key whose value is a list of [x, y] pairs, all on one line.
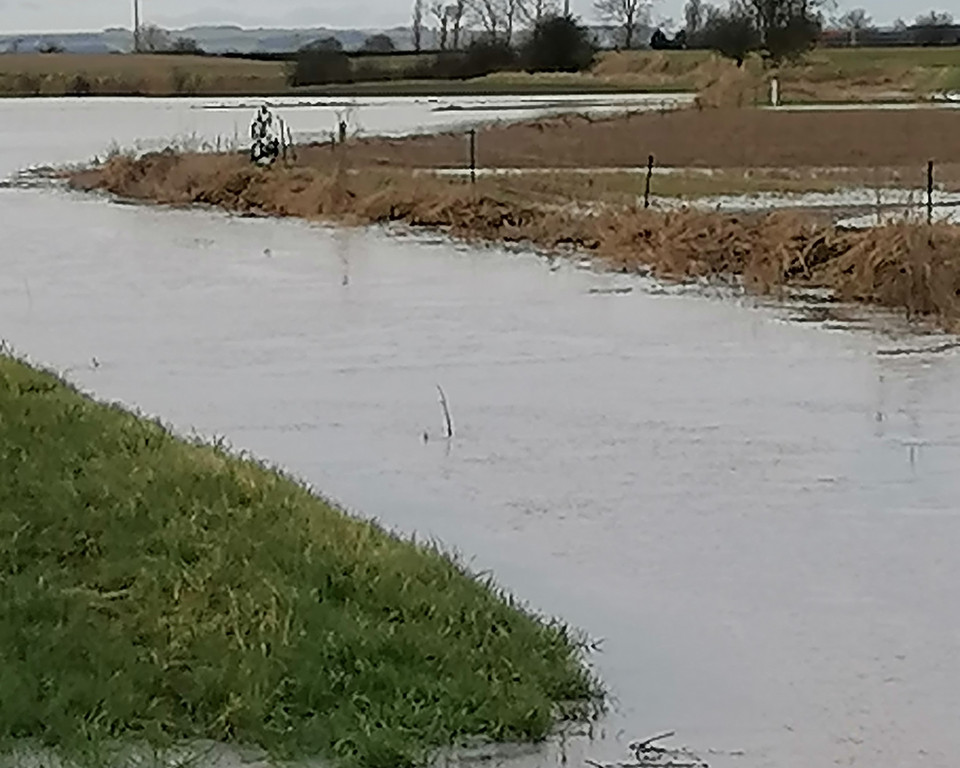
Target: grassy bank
{"points": [[160, 591], [903, 266]]}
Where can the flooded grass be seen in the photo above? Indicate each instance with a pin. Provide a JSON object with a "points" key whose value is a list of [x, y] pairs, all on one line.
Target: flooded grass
{"points": [[164, 592]]}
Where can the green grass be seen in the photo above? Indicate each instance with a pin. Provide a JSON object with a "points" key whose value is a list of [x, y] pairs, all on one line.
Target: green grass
{"points": [[159, 591]]}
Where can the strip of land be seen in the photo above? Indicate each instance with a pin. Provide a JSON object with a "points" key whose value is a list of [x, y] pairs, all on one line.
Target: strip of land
{"points": [[158, 592], [825, 75], [903, 266]]}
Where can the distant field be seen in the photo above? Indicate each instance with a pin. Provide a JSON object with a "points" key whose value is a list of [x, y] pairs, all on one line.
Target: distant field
{"points": [[827, 75], [118, 74]]}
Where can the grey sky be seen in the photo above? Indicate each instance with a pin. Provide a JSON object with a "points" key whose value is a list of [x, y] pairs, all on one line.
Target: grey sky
{"points": [[64, 15]]}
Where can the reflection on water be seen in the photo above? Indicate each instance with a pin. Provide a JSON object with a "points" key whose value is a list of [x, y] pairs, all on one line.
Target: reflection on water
{"points": [[756, 516]]}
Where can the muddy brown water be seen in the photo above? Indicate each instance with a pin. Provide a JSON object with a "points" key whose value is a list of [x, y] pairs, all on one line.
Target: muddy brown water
{"points": [[759, 517]]}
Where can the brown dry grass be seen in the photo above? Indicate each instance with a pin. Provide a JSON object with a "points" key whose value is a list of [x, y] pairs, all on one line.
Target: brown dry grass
{"points": [[109, 74], [824, 75], [709, 138], [907, 267]]}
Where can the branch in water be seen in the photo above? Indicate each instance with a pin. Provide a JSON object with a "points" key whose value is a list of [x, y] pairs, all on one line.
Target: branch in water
{"points": [[447, 420]]}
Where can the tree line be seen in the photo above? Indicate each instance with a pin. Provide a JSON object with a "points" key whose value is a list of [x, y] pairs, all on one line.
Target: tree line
{"points": [[551, 43]]}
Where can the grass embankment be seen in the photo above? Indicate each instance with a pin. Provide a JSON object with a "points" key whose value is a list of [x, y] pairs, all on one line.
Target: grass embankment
{"points": [[824, 75], [904, 266], [157, 591]]}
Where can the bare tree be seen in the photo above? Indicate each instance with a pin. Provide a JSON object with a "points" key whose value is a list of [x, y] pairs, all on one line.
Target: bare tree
{"points": [[417, 25], [489, 14], [456, 13], [626, 14], [511, 10], [498, 18], [858, 18], [442, 17], [535, 11], [154, 39], [855, 21], [694, 13], [934, 19]]}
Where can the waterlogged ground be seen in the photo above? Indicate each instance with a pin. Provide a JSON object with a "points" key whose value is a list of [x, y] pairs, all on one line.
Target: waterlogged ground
{"points": [[70, 130], [757, 515]]}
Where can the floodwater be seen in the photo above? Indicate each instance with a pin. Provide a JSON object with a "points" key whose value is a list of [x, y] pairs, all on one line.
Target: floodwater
{"points": [[758, 516], [71, 130]]}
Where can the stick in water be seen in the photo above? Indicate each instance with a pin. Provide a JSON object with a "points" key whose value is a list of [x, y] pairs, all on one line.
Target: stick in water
{"points": [[640, 746], [447, 421]]}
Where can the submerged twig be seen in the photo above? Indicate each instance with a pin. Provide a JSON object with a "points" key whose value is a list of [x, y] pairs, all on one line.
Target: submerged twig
{"points": [[447, 420], [647, 754], [640, 746]]}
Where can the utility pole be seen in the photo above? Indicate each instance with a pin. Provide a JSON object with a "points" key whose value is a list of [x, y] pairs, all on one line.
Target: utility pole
{"points": [[566, 9], [136, 26]]}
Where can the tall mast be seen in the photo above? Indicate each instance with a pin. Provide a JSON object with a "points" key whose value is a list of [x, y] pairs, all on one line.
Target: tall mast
{"points": [[136, 26]]}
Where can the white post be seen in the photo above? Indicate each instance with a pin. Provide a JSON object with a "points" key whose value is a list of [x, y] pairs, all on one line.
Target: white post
{"points": [[775, 92]]}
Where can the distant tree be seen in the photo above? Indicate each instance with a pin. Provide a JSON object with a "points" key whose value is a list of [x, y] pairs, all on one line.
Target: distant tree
{"points": [[934, 19], [456, 12], [324, 44], [934, 29], [51, 47], [628, 15], [379, 44], [512, 10], [660, 41], [442, 18], [855, 22], [320, 66], [485, 56], [558, 44], [186, 45], [694, 13], [787, 28], [489, 15], [900, 25], [154, 39], [417, 26], [732, 33], [856, 19], [534, 11]]}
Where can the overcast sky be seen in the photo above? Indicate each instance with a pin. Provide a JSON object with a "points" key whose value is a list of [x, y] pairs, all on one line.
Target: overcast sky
{"points": [[64, 15]]}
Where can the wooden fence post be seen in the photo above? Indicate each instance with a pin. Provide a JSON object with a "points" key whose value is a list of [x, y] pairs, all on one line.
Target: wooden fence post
{"points": [[646, 191], [473, 155]]}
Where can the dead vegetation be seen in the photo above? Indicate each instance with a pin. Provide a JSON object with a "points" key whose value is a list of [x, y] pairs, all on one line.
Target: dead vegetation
{"points": [[825, 75], [901, 266]]}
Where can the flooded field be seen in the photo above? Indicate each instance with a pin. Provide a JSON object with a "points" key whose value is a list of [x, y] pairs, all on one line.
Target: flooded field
{"points": [[755, 515], [50, 131]]}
